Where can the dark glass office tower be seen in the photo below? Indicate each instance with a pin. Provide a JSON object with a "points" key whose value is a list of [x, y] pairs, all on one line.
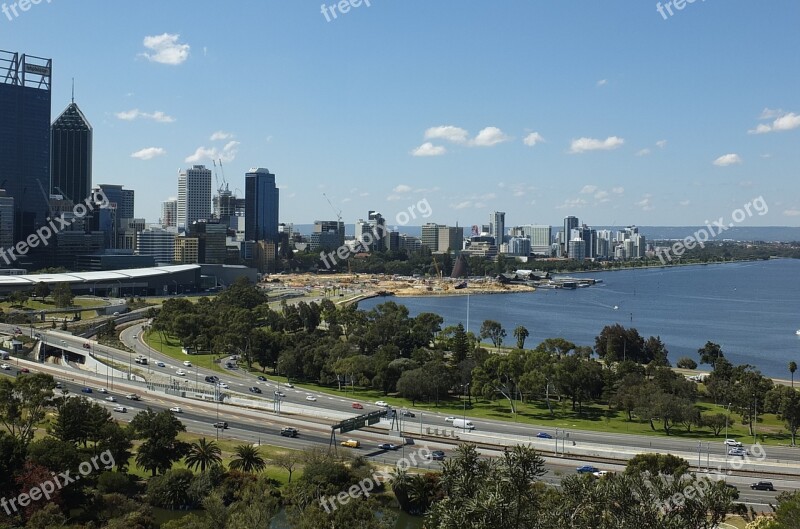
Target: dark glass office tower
{"points": [[25, 85], [71, 155], [261, 206]]}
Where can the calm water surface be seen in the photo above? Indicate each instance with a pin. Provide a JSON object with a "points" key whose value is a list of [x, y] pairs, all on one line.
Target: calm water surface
{"points": [[751, 309]]}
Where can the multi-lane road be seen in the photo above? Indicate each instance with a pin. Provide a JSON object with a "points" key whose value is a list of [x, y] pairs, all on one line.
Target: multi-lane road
{"points": [[781, 464]]}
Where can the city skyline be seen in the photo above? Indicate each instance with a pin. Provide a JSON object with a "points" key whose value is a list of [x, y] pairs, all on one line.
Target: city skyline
{"points": [[617, 136]]}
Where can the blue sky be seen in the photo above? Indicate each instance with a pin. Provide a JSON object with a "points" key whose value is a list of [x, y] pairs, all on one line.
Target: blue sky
{"points": [[630, 118]]}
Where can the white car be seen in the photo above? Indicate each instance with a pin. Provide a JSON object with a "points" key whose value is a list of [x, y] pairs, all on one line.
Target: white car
{"points": [[187, 363], [601, 473], [176, 409], [160, 364], [733, 442], [5, 367], [449, 419], [121, 409], [382, 403], [289, 385], [102, 390], [222, 385], [111, 398], [180, 373], [312, 398]]}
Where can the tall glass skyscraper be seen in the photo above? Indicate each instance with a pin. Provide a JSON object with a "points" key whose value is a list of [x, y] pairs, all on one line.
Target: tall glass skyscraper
{"points": [[25, 95], [71, 155], [260, 206]]}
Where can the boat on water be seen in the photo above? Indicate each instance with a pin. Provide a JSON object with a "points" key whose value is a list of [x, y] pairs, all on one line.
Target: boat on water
{"points": [[797, 332], [461, 285]]}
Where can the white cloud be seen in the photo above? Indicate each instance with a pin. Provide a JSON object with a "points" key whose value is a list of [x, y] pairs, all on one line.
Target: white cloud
{"points": [[646, 203], [661, 144], [227, 154], [402, 188], [643, 152], [602, 196], [165, 49], [746, 183], [792, 213], [766, 155], [770, 113], [532, 139], [221, 135], [574, 203], [618, 190], [685, 203], [428, 149], [588, 189], [462, 205], [519, 193], [447, 132], [582, 145], [783, 122], [149, 153], [131, 115], [728, 159], [602, 82], [489, 137]]}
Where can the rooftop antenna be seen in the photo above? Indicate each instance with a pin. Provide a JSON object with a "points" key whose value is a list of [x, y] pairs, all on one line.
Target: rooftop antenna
{"points": [[73, 90]]}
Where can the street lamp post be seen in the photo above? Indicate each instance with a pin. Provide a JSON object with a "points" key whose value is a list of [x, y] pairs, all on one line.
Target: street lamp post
{"points": [[466, 388], [727, 417]]}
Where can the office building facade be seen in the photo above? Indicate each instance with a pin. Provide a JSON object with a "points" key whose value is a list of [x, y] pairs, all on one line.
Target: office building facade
{"points": [[261, 197], [169, 214], [159, 243], [194, 196], [498, 227], [71, 155]]}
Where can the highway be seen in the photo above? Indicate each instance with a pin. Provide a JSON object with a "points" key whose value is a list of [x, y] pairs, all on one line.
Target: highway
{"points": [[264, 426]]}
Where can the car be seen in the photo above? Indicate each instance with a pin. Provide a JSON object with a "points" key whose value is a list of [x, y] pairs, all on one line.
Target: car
{"points": [[86, 390], [358, 406], [406, 413], [87, 346], [161, 364], [116, 313], [762, 485], [121, 409], [601, 473], [311, 398], [180, 373], [437, 455], [732, 442], [176, 409], [254, 389], [449, 419], [388, 446], [587, 469], [221, 424], [288, 431], [187, 363], [382, 403], [280, 394], [262, 378], [289, 385], [102, 390], [63, 342], [222, 385], [58, 385], [111, 398], [737, 452], [132, 396], [5, 367], [351, 443], [212, 378], [544, 435], [24, 370]]}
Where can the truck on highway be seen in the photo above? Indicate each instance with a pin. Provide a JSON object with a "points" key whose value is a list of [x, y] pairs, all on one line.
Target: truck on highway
{"points": [[141, 359], [463, 424]]}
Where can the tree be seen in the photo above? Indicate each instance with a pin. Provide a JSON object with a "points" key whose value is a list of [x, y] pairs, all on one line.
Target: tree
{"points": [[494, 331], [161, 448], [19, 297], [62, 295], [615, 343], [23, 403], [685, 362], [248, 459], [715, 421], [41, 290], [203, 454], [415, 384], [521, 334], [287, 461], [710, 354], [792, 369], [785, 402], [657, 464]]}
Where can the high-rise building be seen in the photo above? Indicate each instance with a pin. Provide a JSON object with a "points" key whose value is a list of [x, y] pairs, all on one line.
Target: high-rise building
{"points": [[328, 235], [6, 220], [71, 155], [211, 241], [577, 249], [540, 236], [519, 246], [498, 224], [261, 197], [169, 214], [570, 223], [112, 219], [25, 98], [430, 236], [451, 239], [194, 196], [371, 233], [159, 243]]}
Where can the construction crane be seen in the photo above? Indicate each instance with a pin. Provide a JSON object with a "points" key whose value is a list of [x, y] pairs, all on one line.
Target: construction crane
{"points": [[338, 225], [224, 185], [436, 267]]}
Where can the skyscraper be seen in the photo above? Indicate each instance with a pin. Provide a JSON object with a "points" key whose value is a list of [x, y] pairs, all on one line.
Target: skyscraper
{"points": [[71, 155], [498, 223], [194, 196], [25, 95], [261, 206], [570, 223], [169, 214]]}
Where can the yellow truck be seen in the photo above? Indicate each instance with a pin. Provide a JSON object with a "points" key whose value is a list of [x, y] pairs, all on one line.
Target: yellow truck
{"points": [[351, 443]]}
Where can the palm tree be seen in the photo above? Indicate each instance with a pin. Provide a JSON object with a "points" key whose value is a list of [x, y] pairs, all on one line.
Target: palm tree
{"points": [[247, 459], [792, 369], [521, 333], [203, 454]]}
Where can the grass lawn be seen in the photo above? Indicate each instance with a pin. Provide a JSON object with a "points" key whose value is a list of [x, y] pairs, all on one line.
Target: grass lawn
{"points": [[595, 417], [172, 348]]}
